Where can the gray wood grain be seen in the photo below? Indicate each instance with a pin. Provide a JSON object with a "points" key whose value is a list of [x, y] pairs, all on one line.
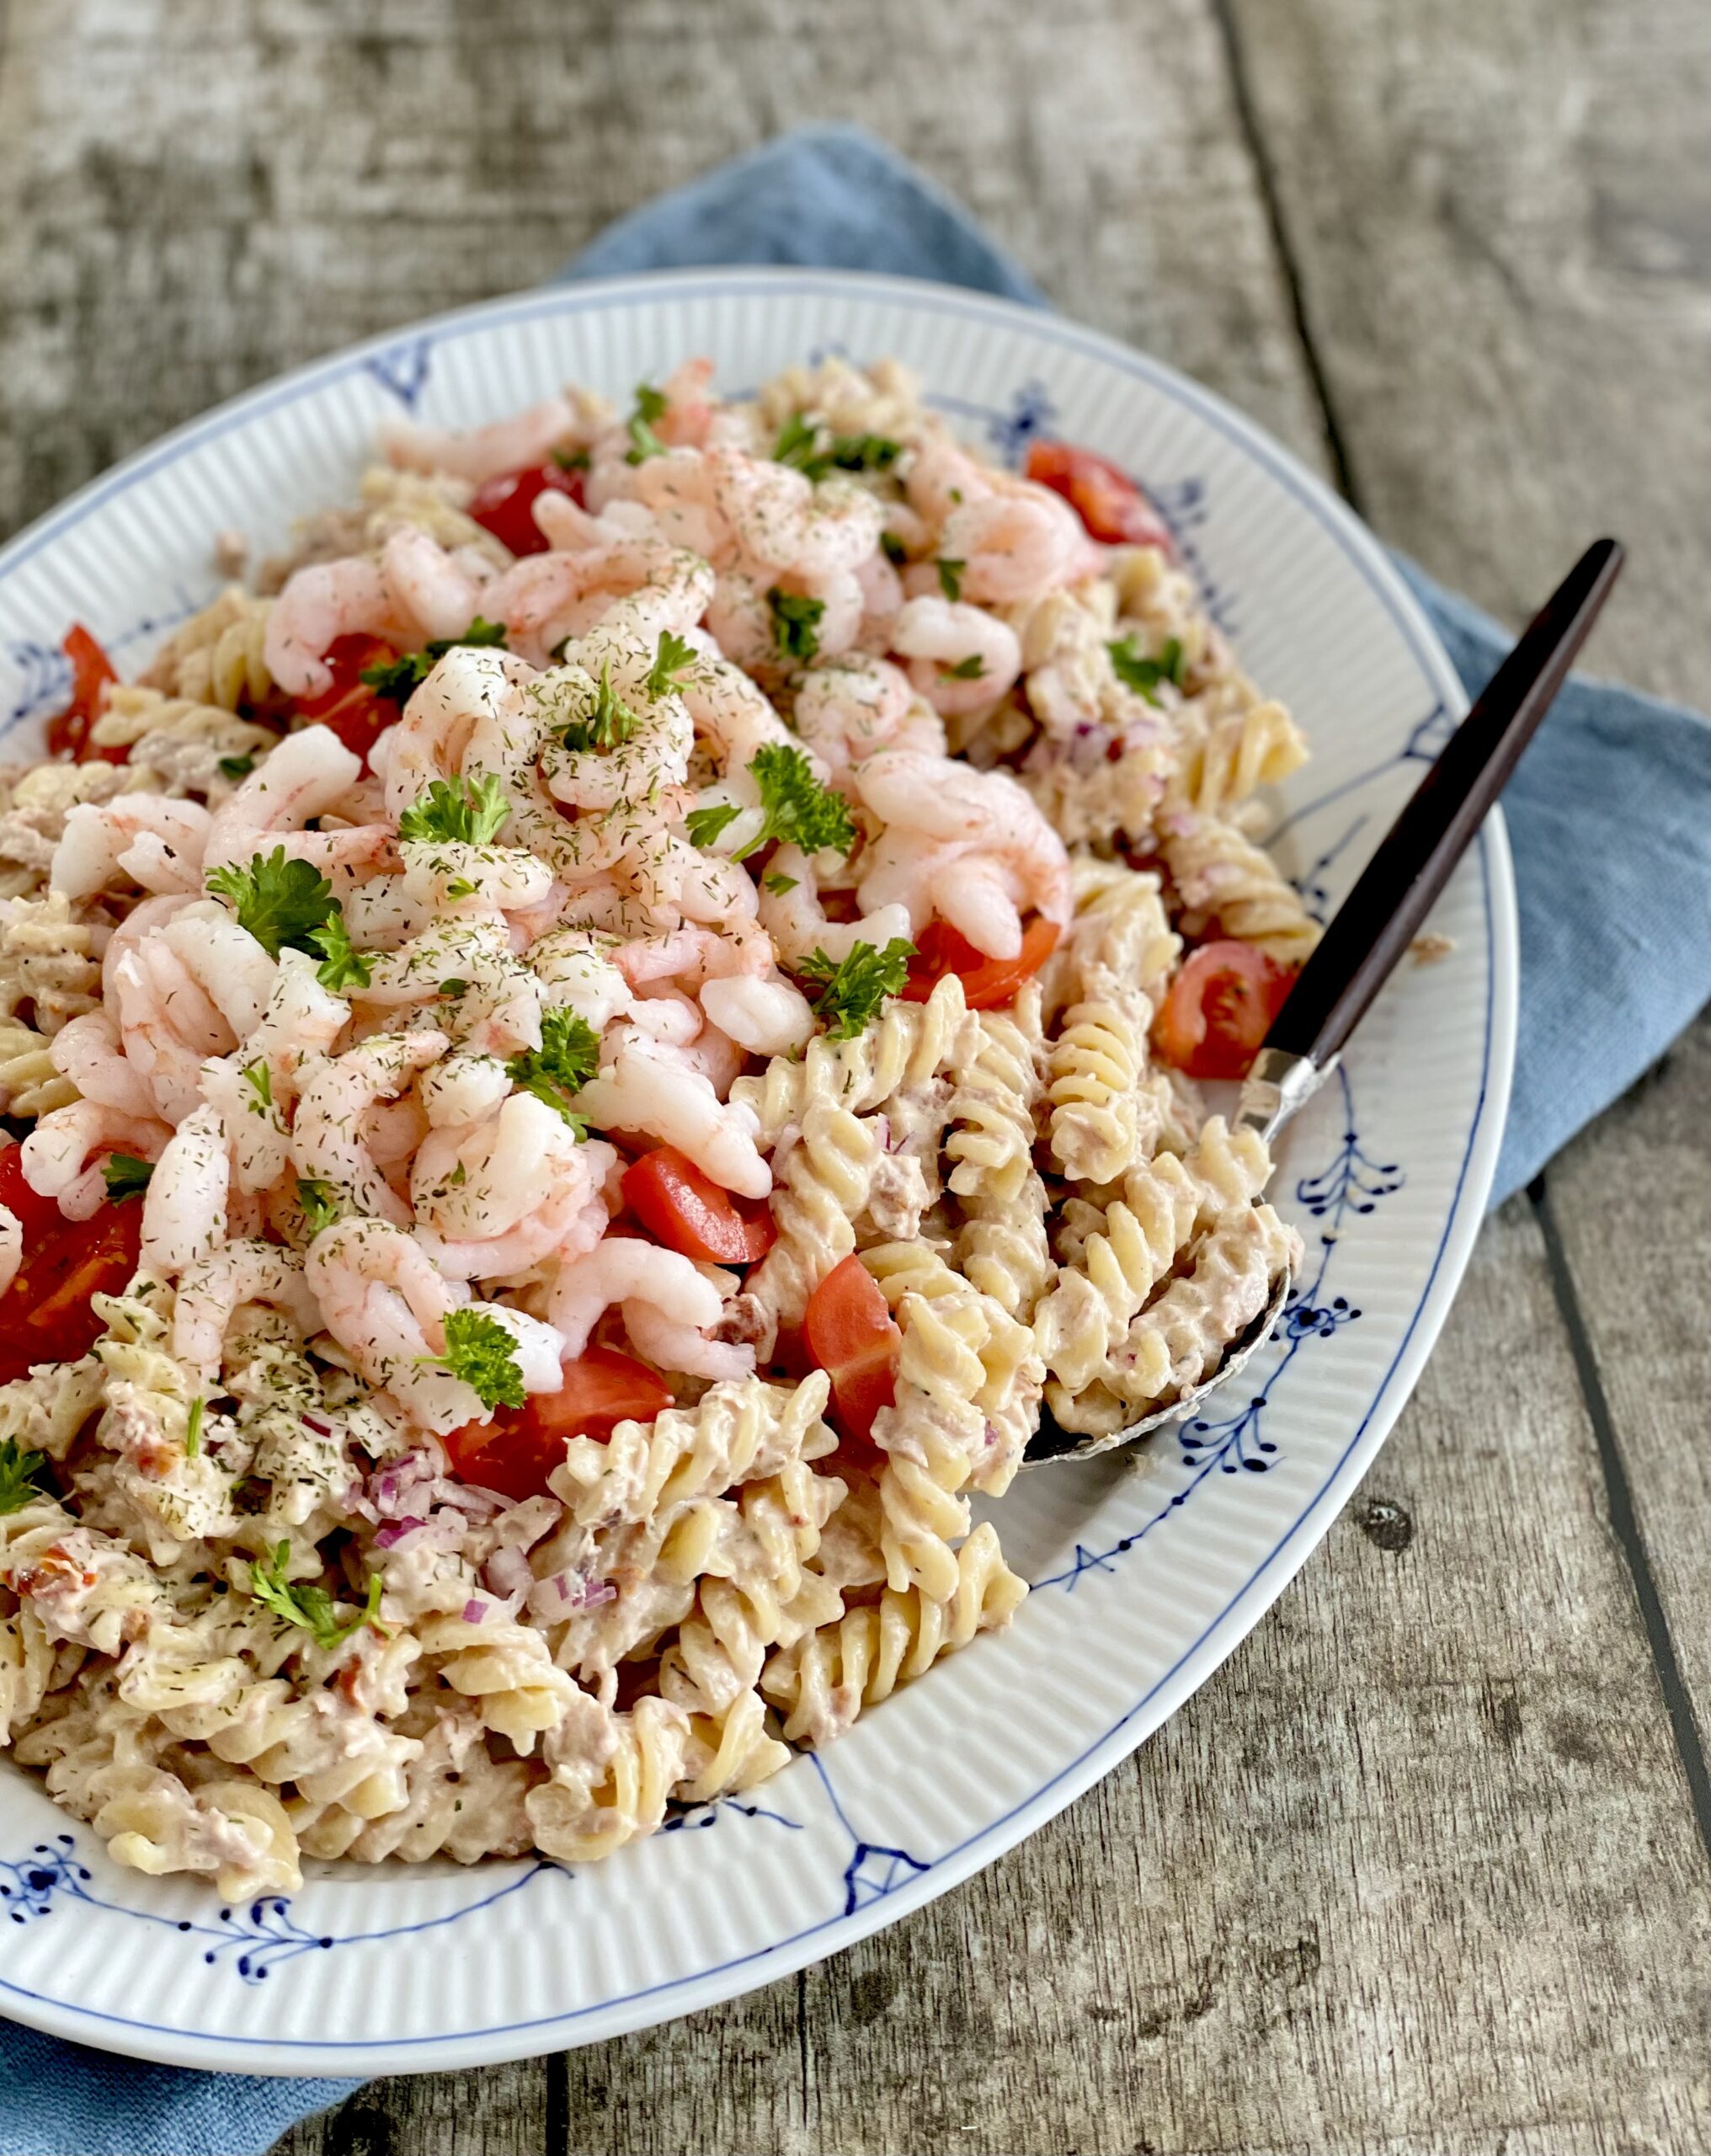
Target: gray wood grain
{"points": [[1418, 1870]]}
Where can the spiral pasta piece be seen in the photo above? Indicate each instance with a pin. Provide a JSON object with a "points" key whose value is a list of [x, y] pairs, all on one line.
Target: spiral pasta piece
{"points": [[823, 1186], [1177, 1341], [217, 656], [1257, 747], [1229, 886], [904, 1048]]}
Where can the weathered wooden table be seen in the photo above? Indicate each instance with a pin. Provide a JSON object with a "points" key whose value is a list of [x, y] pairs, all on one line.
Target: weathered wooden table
{"points": [[1428, 1865]]}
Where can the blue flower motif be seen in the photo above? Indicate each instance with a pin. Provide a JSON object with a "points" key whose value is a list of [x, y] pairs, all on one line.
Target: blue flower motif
{"points": [[875, 1871], [679, 1816], [269, 1935], [1032, 411], [1313, 883], [47, 680], [1426, 740], [29, 1884], [402, 368]]}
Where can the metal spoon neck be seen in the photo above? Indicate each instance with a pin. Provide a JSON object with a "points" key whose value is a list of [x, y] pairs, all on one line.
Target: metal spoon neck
{"points": [[1279, 1082]]}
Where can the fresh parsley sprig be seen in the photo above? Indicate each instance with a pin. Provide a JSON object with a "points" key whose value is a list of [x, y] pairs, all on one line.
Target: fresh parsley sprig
{"points": [[650, 405], [704, 825], [609, 725], [568, 1056], [1136, 671], [972, 668], [480, 1351], [795, 623], [799, 811], [319, 1202], [260, 1081], [126, 1176], [457, 814], [854, 988], [18, 1472], [344, 967], [950, 576], [310, 1607], [281, 902], [815, 450], [673, 654], [398, 679]]}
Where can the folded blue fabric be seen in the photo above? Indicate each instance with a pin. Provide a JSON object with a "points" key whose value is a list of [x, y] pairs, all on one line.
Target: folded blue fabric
{"points": [[1609, 814]]}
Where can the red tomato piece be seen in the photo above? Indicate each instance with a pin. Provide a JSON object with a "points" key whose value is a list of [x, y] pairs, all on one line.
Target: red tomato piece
{"points": [[516, 1451], [988, 984], [1102, 494], [505, 506], [1220, 1008], [68, 734], [350, 708], [45, 1314], [39, 1217], [688, 1212], [851, 1335]]}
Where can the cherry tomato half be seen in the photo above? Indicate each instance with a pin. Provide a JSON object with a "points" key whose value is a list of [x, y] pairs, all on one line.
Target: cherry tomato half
{"points": [[45, 1314], [68, 734], [688, 1212], [851, 1335], [1103, 496], [988, 984], [505, 506], [350, 708], [1219, 1009], [516, 1451]]}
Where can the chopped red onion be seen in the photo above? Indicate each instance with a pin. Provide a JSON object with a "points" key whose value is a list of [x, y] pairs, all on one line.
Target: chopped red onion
{"points": [[395, 1530], [474, 1612], [314, 1423]]}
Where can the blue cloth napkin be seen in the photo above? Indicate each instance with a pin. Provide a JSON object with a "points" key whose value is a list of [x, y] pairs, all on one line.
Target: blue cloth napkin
{"points": [[1609, 814]]}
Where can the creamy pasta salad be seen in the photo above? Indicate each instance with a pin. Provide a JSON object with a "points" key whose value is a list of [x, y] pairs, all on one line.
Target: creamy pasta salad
{"points": [[586, 1055]]}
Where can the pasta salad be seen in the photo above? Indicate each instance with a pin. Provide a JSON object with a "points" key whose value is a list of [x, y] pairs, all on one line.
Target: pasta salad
{"points": [[587, 1055]]}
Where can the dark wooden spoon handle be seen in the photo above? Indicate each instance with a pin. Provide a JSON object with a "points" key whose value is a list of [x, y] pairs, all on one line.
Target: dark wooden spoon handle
{"points": [[1381, 916]]}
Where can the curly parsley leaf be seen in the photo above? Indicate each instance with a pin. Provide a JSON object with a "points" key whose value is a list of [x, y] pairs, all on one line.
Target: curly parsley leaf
{"points": [[235, 767], [799, 810], [650, 405], [280, 902], [778, 885], [854, 988], [971, 668], [673, 654], [455, 812], [571, 460], [480, 1351], [795, 623], [894, 549], [260, 1081], [609, 725], [344, 967], [126, 1176], [18, 1472], [319, 1203], [398, 679], [1136, 671], [704, 825], [307, 1606], [568, 1056], [949, 576], [814, 451]]}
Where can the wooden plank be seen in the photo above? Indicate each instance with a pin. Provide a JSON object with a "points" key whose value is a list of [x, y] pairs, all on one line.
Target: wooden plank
{"points": [[1632, 1199], [1501, 220], [499, 2111]]}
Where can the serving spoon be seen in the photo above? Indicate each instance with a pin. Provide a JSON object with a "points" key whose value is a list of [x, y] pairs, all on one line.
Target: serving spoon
{"points": [[1375, 923]]}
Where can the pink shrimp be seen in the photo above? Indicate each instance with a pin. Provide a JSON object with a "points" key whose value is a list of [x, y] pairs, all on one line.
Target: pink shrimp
{"points": [[156, 842], [669, 1304], [960, 657], [213, 1287], [1011, 548], [846, 708], [87, 1050], [479, 453], [301, 779], [941, 476], [325, 1136], [54, 1151]]}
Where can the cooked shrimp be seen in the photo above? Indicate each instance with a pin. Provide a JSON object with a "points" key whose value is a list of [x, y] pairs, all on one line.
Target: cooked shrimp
{"points": [[225, 961], [88, 1051], [168, 1024], [561, 1226], [301, 778], [941, 476], [741, 621], [462, 1089], [211, 1289], [796, 923], [480, 1178], [575, 966], [438, 593], [184, 1208], [617, 779], [53, 1152], [668, 1305], [969, 846], [320, 603], [1011, 548], [783, 523], [253, 1116], [479, 453], [156, 842], [644, 1090], [881, 596], [731, 712], [848, 707], [302, 1020], [766, 1018], [937, 635], [326, 1136], [444, 876], [11, 1246]]}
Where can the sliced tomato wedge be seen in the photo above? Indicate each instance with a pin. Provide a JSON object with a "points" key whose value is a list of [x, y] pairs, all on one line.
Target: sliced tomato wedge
{"points": [[505, 506], [688, 1212], [853, 1336], [1220, 1008], [92, 670], [988, 984], [1102, 494], [45, 1314], [350, 708], [516, 1451]]}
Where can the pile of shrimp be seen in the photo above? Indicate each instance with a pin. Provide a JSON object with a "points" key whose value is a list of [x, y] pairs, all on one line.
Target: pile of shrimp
{"points": [[244, 1078]]}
